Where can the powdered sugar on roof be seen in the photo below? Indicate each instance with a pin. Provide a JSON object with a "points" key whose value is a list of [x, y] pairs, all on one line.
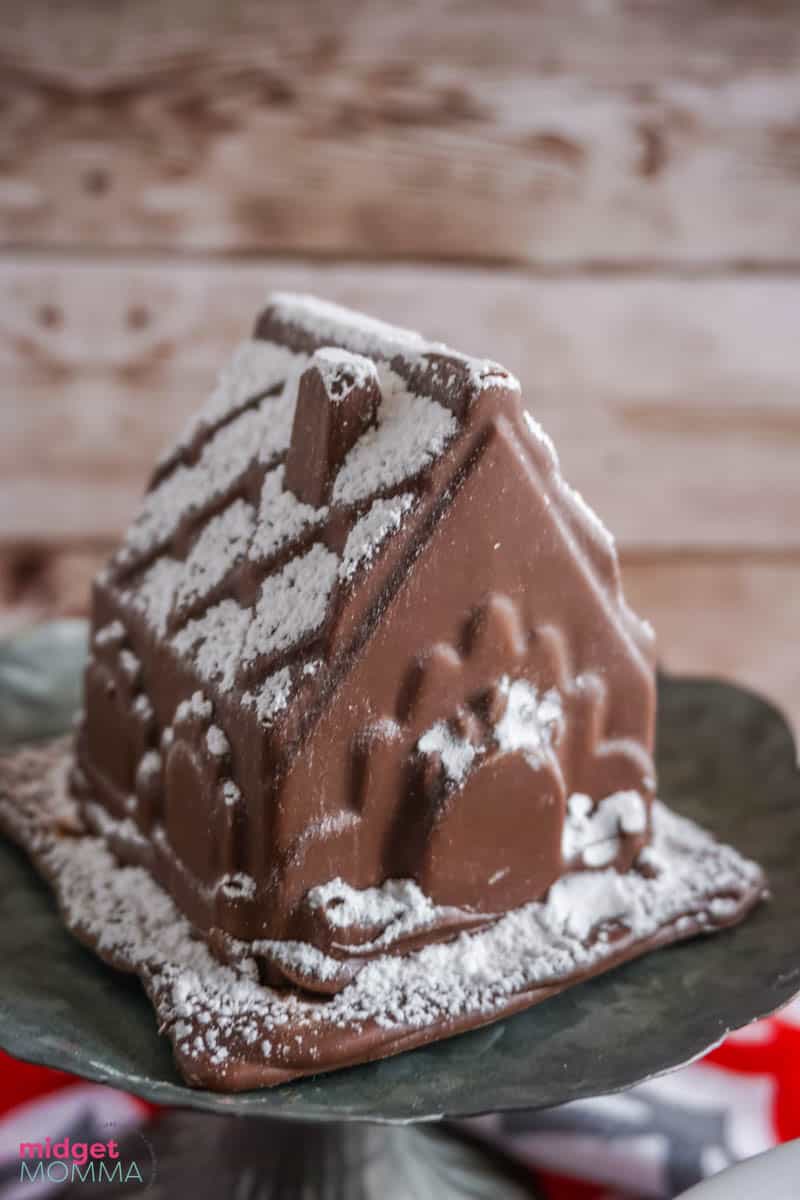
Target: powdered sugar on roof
{"points": [[341, 371], [292, 603], [411, 432], [366, 536], [214, 641], [222, 542], [154, 594], [330, 322], [281, 516], [272, 697], [259, 433], [254, 368]]}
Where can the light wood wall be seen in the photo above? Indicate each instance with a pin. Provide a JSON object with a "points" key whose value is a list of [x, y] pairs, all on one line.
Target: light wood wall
{"points": [[604, 196]]}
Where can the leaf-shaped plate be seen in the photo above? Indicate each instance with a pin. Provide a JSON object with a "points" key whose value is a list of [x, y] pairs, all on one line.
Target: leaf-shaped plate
{"points": [[726, 758]]}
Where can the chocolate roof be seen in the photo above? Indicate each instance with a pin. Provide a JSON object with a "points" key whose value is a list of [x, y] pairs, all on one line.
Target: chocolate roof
{"points": [[245, 541]]}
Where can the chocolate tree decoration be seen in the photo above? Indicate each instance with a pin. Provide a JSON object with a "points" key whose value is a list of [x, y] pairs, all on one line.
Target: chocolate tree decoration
{"points": [[367, 705]]}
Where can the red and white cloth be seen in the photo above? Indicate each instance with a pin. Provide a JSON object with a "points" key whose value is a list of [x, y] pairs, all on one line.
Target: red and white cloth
{"points": [[651, 1142]]}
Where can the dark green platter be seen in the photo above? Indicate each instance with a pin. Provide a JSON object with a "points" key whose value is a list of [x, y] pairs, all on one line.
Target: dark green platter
{"points": [[726, 758]]}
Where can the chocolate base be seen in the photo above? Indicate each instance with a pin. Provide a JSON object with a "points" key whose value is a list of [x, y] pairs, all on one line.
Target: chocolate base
{"points": [[231, 1032]]}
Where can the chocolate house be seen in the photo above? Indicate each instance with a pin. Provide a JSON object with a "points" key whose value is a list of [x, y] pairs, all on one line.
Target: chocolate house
{"points": [[362, 640]]}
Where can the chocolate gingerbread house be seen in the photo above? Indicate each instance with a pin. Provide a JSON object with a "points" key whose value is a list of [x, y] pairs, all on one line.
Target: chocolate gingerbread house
{"points": [[366, 752], [362, 640]]}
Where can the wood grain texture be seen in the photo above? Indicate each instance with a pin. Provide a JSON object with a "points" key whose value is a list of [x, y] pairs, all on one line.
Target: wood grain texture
{"points": [[554, 133], [736, 619], [674, 404]]}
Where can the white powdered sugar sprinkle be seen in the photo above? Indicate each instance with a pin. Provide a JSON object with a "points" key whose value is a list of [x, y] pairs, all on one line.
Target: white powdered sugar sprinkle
{"points": [[411, 432], [258, 434], [456, 753], [238, 886], [382, 519], [589, 516], [130, 665], [593, 833], [255, 367], [149, 767], [134, 922], [530, 723], [326, 321], [542, 437], [197, 706], [217, 743], [342, 371], [214, 642], [332, 323], [154, 595], [112, 634], [221, 544], [281, 516], [272, 697], [230, 793], [143, 708], [396, 908], [292, 603]]}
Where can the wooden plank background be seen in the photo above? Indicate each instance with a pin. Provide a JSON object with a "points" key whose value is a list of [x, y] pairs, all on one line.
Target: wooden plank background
{"points": [[604, 196]]}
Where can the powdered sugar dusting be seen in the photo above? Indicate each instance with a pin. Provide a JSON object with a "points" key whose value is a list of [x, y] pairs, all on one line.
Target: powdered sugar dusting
{"points": [[197, 706], [292, 603], [342, 371], [129, 665], [332, 323], [326, 321], [255, 367], [530, 723], [238, 886], [222, 542], [217, 743], [364, 539], [259, 433], [272, 697], [411, 432], [154, 595], [456, 753], [281, 516], [593, 833], [396, 908], [541, 437], [215, 641], [112, 634], [149, 767], [590, 517], [232, 1016]]}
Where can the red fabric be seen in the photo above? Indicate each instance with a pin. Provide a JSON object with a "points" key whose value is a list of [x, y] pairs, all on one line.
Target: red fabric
{"points": [[21, 1081], [554, 1187], [777, 1055]]}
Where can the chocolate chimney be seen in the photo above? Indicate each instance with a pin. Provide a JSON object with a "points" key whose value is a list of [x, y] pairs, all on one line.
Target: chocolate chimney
{"points": [[337, 401]]}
